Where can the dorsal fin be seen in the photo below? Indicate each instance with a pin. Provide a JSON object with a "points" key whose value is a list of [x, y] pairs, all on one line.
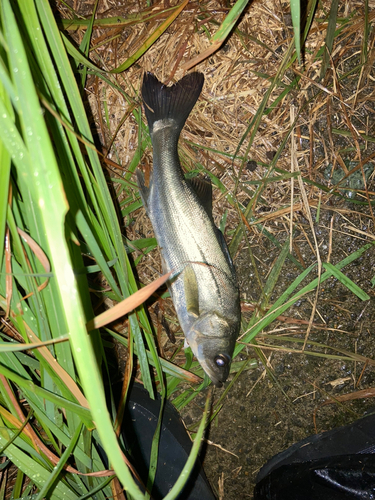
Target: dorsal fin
{"points": [[203, 188]]}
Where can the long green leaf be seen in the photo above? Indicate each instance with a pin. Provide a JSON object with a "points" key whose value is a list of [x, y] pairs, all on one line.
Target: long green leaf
{"points": [[181, 481], [5, 161], [295, 9], [346, 281], [59, 467], [230, 21], [331, 29]]}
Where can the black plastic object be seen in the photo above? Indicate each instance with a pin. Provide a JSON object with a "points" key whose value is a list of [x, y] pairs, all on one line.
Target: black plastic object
{"points": [[339, 464], [138, 428]]}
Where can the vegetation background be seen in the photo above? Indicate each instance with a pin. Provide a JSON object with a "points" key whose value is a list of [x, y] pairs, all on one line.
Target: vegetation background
{"points": [[287, 138]]}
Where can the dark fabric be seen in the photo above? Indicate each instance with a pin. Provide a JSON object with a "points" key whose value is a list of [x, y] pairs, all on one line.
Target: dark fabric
{"points": [[339, 464], [333, 478], [174, 447]]}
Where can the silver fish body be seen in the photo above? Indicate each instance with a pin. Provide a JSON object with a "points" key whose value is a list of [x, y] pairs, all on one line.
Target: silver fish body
{"points": [[204, 287]]}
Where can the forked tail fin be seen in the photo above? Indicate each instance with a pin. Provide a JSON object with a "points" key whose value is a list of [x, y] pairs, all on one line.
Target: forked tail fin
{"points": [[175, 102]]}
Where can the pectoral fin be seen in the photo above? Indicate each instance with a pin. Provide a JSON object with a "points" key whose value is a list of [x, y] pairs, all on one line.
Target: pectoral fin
{"points": [[191, 291]]}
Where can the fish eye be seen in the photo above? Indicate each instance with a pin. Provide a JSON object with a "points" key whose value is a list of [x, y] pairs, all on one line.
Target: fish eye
{"points": [[221, 360]]}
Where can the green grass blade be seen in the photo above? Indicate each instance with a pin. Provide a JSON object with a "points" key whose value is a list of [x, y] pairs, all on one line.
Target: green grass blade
{"points": [[78, 56], [229, 22], [59, 467], [13, 347], [295, 9], [330, 37], [5, 159], [346, 281], [274, 274], [85, 44], [181, 481], [97, 489]]}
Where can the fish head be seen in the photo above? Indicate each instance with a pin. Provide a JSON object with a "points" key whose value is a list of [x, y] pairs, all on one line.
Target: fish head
{"points": [[212, 339]]}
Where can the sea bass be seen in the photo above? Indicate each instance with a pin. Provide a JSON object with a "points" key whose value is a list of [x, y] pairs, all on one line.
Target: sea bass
{"points": [[204, 286]]}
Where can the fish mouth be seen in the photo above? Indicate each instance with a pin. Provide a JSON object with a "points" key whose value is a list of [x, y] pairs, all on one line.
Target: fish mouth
{"points": [[217, 382]]}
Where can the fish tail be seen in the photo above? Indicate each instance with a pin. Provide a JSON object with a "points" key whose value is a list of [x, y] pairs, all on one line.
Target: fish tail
{"points": [[175, 102]]}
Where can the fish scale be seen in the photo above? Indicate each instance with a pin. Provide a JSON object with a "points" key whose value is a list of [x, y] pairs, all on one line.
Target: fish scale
{"points": [[204, 287]]}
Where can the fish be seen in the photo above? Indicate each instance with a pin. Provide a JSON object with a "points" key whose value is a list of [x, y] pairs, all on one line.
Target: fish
{"points": [[203, 286]]}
